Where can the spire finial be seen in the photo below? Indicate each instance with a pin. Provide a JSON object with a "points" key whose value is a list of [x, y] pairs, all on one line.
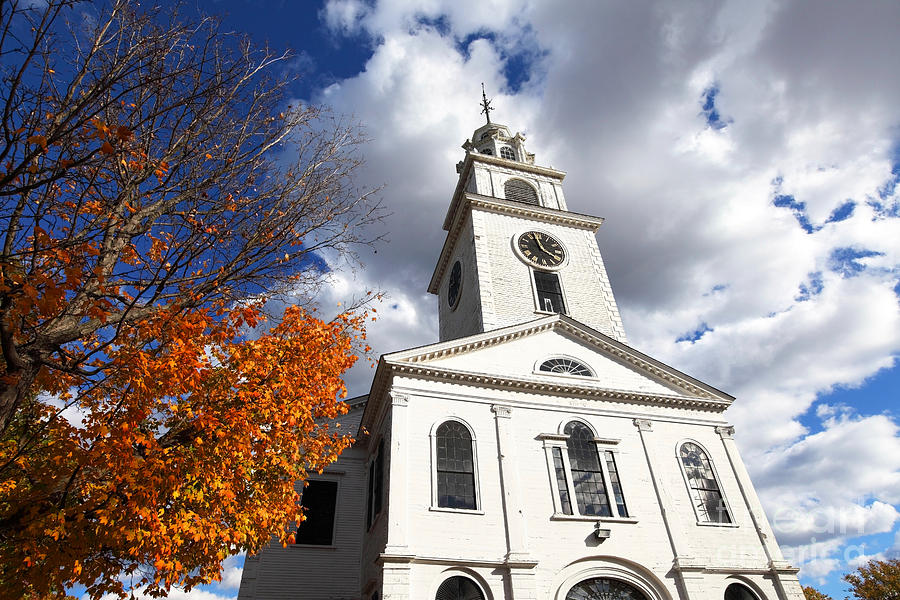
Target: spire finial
{"points": [[486, 104]]}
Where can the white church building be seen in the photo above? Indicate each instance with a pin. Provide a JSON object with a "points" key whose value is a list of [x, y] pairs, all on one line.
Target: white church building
{"points": [[530, 454]]}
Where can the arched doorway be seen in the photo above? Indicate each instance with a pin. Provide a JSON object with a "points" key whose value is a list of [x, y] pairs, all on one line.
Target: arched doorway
{"points": [[604, 588]]}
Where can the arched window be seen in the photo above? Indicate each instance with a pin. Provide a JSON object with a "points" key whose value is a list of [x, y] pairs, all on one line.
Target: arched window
{"points": [[507, 153], [459, 588], [566, 366], [587, 474], [704, 489], [602, 588], [738, 591], [455, 466], [487, 151], [518, 190]]}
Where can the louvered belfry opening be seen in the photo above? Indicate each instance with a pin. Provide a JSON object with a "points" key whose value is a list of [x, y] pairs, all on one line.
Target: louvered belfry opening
{"points": [[459, 588], [518, 190]]}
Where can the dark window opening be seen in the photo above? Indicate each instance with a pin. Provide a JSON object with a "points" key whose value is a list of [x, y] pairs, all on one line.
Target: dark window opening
{"points": [[455, 466], [376, 486], [319, 502], [487, 151], [737, 591], [549, 292]]}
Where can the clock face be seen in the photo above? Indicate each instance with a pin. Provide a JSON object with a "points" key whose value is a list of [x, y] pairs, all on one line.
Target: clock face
{"points": [[540, 249], [454, 284]]}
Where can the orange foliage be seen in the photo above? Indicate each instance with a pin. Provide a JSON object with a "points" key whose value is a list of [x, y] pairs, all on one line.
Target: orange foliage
{"points": [[186, 452]]}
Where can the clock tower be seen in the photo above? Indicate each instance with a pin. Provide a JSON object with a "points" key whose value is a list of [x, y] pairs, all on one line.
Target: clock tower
{"points": [[514, 252]]}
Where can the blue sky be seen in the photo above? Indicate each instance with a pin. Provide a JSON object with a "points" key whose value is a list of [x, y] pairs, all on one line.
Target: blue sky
{"points": [[745, 157]]}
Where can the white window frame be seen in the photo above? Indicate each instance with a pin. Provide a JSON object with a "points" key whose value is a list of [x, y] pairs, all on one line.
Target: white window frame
{"points": [[559, 440], [536, 298], [687, 486], [478, 510]]}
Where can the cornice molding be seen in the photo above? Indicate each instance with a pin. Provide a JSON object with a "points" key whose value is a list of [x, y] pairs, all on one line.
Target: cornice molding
{"points": [[556, 389]]}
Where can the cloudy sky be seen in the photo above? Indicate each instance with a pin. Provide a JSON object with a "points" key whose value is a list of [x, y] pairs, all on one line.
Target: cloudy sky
{"points": [[746, 157]]}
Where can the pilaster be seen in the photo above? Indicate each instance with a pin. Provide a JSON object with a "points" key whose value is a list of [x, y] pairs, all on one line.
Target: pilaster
{"points": [[514, 519], [690, 579], [398, 504]]}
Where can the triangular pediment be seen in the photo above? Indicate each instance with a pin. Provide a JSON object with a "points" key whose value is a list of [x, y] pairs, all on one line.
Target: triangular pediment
{"points": [[511, 358]]}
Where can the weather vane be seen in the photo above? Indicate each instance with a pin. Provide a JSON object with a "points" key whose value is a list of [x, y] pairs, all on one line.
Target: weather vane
{"points": [[486, 104]]}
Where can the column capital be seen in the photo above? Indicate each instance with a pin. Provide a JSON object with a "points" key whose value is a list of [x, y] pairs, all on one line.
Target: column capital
{"points": [[643, 424], [399, 399], [726, 432], [501, 412]]}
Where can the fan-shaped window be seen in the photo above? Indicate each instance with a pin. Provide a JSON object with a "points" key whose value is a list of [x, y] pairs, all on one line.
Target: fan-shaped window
{"points": [[566, 366], [487, 151], [587, 474], [507, 153], [459, 588], [708, 500], [602, 588], [737, 591], [518, 190], [455, 466]]}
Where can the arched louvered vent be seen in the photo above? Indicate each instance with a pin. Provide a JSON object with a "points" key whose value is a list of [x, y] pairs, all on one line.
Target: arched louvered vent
{"points": [[487, 151], [507, 153], [459, 588], [566, 366], [602, 588], [518, 190]]}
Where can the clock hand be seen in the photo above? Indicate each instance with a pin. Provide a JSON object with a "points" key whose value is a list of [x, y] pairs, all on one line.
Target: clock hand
{"points": [[540, 245]]}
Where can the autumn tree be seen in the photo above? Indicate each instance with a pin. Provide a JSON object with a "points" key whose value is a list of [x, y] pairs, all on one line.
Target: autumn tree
{"points": [[810, 593], [876, 580], [157, 188]]}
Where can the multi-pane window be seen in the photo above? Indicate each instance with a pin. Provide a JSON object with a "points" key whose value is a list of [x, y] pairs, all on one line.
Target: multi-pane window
{"points": [[587, 475], [586, 472], [549, 292], [376, 486], [319, 501], [507, 153], [704, 489], [455, 466], [518, 190], [458, 588], [562, 485]]}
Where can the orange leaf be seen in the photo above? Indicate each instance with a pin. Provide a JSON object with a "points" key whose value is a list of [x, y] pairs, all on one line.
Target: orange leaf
{"points": [[107, 148]]}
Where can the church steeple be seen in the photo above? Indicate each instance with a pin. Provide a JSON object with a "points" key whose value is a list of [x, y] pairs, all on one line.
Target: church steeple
{"points": [[514, 252]]}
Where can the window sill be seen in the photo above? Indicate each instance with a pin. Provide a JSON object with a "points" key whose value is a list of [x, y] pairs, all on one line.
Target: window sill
{"points": [[592, 518], [463, 511], [708, 524], [538, 311]]}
